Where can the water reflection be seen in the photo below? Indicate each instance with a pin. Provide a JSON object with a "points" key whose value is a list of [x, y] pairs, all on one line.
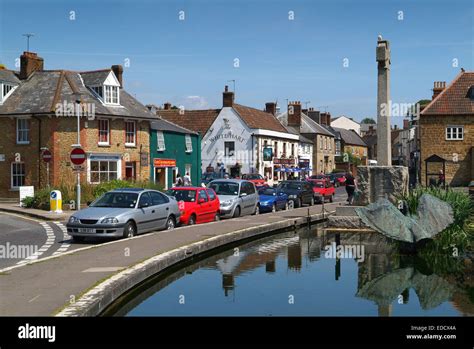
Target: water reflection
{"points": [[257, 278]]}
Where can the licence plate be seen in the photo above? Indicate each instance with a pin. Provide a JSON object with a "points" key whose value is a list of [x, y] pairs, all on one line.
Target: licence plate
{"points": [[86, 230]]}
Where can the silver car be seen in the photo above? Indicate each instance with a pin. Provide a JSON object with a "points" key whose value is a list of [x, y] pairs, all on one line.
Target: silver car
{"points": [[124, 213], [237, 197]]}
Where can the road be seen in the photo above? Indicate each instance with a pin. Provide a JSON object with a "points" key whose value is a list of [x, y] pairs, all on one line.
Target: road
{"points": [[23, 239]]}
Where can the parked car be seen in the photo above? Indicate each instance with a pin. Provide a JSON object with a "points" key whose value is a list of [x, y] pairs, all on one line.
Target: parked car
{"points": [[272, 200], [319, 176], [210, 176], [124, 213], [299, 192], [197, 204], [323, 190], [237, 197], [340, 179], [256, 179]]}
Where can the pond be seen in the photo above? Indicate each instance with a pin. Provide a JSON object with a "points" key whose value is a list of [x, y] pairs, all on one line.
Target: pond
{"points": [[310, 272]]}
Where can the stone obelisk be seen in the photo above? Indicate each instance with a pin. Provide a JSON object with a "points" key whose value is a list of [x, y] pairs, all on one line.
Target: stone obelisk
{"points": [[384, 140]]}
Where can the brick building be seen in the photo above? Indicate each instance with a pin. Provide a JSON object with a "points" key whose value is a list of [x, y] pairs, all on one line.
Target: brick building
{"points": [[38, 111], [447, 130]]}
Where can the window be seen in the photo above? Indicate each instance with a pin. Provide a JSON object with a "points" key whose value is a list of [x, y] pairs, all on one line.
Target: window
{"points": [[145, 200], [229, 149], [22, 131], [211, 194], [338, 147], [275, 146], [104, 132], [157, 198], [284, 149], [111, 95], [187, 169], [455, 133], [330, 143], [5, 90], [130, 133], [292, 149], [325, 143], [103, 171], [129, 170], [99, 91], [321, 143], [189, 144], [160, 137], [203, 196], [17, 174]]}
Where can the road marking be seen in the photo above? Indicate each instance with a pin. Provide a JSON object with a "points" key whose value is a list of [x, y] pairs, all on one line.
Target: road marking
{"points": [[102, 269], [34, 298], [66, 239], [46, 246]]}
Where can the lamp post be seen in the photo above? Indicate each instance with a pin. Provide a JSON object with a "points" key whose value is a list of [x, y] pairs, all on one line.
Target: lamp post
{"points": [[77, 98]]}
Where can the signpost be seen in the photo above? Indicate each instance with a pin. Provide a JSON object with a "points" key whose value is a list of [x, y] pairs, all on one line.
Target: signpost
{"points": [[78, 156], [47, 156]]}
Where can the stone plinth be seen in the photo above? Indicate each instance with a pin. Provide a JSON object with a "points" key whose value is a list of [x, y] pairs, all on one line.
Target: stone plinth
{"points": [[376, 182]]}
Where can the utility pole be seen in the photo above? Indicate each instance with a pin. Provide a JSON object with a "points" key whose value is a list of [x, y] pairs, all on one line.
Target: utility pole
{"points": [[28, 36]]}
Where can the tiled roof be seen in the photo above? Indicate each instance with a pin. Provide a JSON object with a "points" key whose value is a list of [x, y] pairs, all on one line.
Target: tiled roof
{"points": [[195, 120], [370, 140], [350, 137], [295, 131], [9, 76], [258, 119], [41, 92], [307, 124], [455, 99], [94, 78], [164, 125]]}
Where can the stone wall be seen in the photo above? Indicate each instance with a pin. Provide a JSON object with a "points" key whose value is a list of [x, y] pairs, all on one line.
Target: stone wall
{"points": [[375, 182]]}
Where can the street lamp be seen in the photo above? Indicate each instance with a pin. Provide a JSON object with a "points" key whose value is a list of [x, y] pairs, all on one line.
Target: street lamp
{"points": [[77, 99]]}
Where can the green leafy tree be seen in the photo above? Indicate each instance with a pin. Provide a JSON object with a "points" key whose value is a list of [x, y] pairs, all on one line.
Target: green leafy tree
{"points": [[368, 121]]}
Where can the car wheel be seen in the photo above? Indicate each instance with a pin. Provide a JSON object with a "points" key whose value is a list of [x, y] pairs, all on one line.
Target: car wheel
{"points": [[237, 212], [257, 209], [217, 217], [129, 230], [192, 220], [78, 238], [170, 223], [274, 208]]}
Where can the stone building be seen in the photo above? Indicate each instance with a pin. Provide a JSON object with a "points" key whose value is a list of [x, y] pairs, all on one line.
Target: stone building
{"points": [[38, 111], [447, 130]]}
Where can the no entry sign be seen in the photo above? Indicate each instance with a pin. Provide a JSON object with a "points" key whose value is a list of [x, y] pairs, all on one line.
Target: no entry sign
{"points": [[78, 156], [47, 156]]}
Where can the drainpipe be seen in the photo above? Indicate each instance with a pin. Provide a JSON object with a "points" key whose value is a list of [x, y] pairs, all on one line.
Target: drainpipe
{"points": [[253, 144], [39, 148]]}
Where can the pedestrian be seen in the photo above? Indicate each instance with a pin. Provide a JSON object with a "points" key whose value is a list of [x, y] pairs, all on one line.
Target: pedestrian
{"points": [[179, 181], [350, 187], [187, 179], [441, 178]]}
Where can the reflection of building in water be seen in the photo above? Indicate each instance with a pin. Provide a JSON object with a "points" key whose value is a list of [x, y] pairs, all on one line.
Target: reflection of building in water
{"points": [[294, 257], [227, 283], [270, 266]]}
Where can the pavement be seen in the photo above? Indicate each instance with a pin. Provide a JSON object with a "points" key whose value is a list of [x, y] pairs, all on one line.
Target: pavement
{"points": [[35, 213], [47, 285]]}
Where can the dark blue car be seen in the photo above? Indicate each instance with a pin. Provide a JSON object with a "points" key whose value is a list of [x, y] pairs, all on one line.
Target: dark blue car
{"points": [[272, 200]]}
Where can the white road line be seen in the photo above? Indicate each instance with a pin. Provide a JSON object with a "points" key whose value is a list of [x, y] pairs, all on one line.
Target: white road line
{"points": [[46, 246], [66, 239]]}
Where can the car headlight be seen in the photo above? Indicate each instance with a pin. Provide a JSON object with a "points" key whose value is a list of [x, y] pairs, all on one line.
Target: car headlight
{"points": [[292, 196], [73, 219], [109, 220], [227, 203]]}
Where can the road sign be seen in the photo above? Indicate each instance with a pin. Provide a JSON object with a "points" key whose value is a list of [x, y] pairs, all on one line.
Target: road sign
{"points": [[47, 156], [78, 156], [78, 168]]}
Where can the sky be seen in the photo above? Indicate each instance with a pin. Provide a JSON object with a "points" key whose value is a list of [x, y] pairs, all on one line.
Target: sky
{"points": [[321, 53]]}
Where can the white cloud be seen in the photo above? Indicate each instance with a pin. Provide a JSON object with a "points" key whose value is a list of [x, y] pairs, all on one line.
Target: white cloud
{"points": [[194, 102]]}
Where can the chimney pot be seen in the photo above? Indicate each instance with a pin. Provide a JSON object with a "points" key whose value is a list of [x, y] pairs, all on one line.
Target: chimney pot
{"points": [[167, 106], [438, 87], [29, 63]]}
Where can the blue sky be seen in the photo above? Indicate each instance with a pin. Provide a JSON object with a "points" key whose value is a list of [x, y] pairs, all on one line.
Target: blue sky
{"points": [[189, 62]]}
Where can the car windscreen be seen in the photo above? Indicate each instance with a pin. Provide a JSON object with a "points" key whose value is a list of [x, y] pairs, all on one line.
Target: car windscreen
{"points": [[118, 200], [253, 176], [267, 192], [293, 186], [225, 188], [318, 185], [183, 195]]}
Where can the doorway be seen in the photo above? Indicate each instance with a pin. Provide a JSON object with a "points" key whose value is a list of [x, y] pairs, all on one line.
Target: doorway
{"points": [[160, 176]]}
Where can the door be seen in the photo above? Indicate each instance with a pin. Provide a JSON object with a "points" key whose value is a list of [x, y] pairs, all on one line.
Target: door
{"points": [[213, 203], [160, 176], [145, 216], [160, 209], [204, 208]]}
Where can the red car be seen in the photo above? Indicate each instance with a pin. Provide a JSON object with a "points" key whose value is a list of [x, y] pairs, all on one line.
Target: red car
{"points": [[197, 204], [323, 190], [256, 179]]}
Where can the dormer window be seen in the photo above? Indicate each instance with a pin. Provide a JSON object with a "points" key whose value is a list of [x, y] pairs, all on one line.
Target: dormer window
{"points": [[6, 89], [105, 86], [111, 94]]}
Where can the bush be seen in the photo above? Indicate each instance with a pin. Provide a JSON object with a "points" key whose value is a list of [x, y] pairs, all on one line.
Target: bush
{"points": [[40, 200]]}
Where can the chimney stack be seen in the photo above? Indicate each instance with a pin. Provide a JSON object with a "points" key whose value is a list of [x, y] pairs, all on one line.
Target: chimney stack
{"points": [[167, 106], [118, 71], [270, 107], [227, 98], [29, 63], [294, 114], [326, 119], [314, 115], [438, 87], [406, 124]]}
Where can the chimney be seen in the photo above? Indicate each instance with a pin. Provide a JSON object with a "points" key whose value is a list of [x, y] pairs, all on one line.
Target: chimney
{"points": [[406, 124], [326, 119], [371, 129], [314, 115], [227, 98], [438, 87], [29, 63], [118, 71], [167, 106], [270, 107], [294, 114]]}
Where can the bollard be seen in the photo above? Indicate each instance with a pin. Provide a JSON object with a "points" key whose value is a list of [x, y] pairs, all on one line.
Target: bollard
{"points": [[55, 202]]}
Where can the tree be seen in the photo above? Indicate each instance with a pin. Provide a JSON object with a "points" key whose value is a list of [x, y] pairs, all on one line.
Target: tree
{"points": [[368, 121]]}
